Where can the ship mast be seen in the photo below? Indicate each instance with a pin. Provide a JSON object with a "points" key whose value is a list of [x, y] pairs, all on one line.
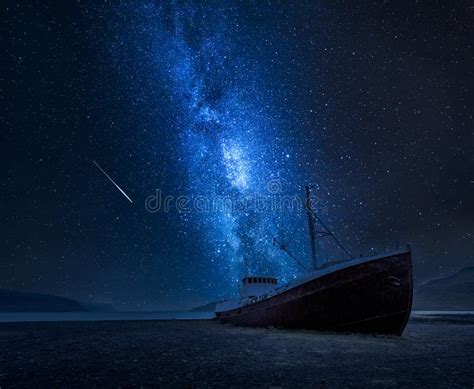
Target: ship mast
{"points": [[312, 228], [324, 231], [314, 233]]}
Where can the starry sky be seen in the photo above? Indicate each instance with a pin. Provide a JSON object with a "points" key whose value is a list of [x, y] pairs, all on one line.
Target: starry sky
{"points": [[371, 103]]}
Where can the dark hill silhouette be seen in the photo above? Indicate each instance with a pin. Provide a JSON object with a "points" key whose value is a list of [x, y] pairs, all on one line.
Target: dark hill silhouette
{"points": [[455, 292], [16, 301], [210, 307]]}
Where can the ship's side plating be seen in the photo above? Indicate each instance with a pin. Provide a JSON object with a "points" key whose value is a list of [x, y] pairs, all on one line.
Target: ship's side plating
{"points": [[368, 296]]}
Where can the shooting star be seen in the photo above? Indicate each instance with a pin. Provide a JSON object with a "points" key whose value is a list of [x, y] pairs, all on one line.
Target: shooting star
{"points": [[113, 182]]}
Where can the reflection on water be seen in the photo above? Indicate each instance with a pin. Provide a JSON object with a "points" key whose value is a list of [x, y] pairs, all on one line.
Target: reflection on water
{"points": [[98, 316]]}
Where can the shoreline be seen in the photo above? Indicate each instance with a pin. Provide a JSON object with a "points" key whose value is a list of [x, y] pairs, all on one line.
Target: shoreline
{"points": [[24, 317]]}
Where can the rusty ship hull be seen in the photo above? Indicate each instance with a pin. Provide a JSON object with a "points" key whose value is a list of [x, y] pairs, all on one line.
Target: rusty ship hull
{"points": [[371, 295]]}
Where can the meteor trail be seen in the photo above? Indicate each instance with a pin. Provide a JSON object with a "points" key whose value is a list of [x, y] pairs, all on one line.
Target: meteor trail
{"points": [[113, 182]]}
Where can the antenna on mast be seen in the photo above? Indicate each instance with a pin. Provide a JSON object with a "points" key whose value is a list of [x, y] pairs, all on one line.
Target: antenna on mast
{"points": [[312, 228], [245, 267]]}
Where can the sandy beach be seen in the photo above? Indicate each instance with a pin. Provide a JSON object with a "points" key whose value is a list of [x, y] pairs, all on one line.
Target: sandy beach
{"points": [[434, 351]]}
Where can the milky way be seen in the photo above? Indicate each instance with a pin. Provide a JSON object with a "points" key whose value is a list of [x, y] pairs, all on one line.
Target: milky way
{"points": [[223, 136], [224, 126]]}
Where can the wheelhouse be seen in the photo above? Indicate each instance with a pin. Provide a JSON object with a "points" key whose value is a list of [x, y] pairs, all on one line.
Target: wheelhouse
{"points": [[253, 286]]}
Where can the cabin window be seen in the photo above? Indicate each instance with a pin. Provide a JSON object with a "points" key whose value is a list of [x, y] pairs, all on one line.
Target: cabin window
{"points": [[249, 280], [259, 280]]}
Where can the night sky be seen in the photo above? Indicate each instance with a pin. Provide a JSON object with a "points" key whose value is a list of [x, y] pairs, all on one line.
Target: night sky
{"points": [[372, 103]]}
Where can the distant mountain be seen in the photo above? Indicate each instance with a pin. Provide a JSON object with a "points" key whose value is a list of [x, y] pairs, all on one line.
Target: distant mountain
{"points": [[98, 307], [455, 292], [16, 301], [211, 307]]}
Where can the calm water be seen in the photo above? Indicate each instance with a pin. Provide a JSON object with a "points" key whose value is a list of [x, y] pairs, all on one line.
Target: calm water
{"points": [[6, 317]]}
